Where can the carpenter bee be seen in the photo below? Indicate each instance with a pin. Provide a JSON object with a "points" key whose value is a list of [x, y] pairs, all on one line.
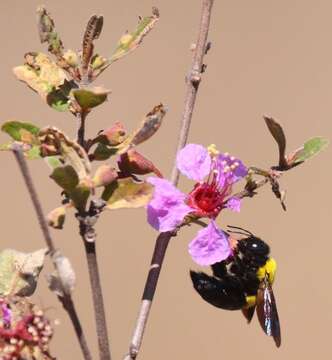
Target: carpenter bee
{"points": [[244, 282]]}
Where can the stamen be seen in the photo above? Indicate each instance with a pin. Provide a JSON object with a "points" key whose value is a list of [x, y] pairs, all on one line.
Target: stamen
{"points": [[226, 169], [232, 158], [212, 149]]}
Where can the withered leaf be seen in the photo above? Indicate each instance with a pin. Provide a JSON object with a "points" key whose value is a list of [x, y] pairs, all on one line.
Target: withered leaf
{"points": [[149, 125], [104, 175], [64, 279], [47, 32], [279, 136], [56, 217], [72, 172], [42, 75], [127, 43], [92, 32], [55, 142], [130, 41], [19, 271], [126, 193], [132, 162], [112, 136]]}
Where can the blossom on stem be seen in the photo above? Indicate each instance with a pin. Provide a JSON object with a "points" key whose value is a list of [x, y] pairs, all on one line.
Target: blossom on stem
{"points": [[215, 175]]}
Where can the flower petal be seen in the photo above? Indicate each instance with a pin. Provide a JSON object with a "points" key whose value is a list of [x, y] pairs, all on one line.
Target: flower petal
{"points": [[167, 208], [194, 161], [230, 169], [234, 204], [6, 314], [210, 246]]}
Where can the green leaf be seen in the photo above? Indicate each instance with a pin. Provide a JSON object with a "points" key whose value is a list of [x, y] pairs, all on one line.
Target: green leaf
{"points": [[6, 147], [80, 195], [309, 149], [19, 271], [125, 193], [130, 41], [26, 135], [90, 98], [21, 131], [33, 153], [59, 99], [30, 152], [66, 177], [103, 152], [53, 162]]}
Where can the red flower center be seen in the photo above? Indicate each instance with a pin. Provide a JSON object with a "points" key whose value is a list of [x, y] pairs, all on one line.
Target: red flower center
{"points": [[206, 199]]}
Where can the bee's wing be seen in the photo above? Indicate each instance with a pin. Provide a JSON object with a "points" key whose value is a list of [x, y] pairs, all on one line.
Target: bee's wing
{"points": [[248, 313], [267, 312], [226, 293]]}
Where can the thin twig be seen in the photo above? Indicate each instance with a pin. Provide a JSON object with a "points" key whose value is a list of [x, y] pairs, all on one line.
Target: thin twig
{"points": [[86, 221], [250, 192], [66, 299], [193, 81]]}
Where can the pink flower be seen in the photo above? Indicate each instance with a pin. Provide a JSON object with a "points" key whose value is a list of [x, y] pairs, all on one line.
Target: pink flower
{"points": [[215, 175]]}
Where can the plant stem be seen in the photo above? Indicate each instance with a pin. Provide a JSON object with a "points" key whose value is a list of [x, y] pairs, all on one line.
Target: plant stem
{"points": [[66, 299], [81, 117], [89, 238], [88, 235], [193, 81]]}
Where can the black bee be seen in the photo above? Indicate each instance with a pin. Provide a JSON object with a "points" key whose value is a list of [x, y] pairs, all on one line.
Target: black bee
{"points": [[244, 282]]}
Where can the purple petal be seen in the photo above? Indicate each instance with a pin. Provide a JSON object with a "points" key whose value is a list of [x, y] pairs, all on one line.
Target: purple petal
{"points": [[230, 168], [6, 314], [167, 208], [210, 246], [234, 204], [194, 161]]}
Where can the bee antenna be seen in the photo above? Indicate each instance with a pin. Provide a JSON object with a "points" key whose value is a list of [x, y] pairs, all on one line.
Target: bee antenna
{"points": [[244, 231]]}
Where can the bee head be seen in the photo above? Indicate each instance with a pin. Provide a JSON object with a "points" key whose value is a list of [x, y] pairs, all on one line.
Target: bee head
{"points": [[253, 246]]}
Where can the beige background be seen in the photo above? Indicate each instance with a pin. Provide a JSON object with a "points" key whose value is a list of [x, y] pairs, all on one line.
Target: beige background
{"points": [[268, 57]]}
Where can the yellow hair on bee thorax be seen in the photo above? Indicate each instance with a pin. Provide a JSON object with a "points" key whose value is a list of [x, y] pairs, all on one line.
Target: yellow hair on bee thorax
{"points": [[268, 269]]}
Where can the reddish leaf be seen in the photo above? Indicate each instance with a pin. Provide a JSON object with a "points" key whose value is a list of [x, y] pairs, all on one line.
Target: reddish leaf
{"points": [[132, 162]]}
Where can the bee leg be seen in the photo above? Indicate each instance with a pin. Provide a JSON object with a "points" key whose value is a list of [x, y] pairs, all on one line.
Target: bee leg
{"points": [[219, 269]]}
